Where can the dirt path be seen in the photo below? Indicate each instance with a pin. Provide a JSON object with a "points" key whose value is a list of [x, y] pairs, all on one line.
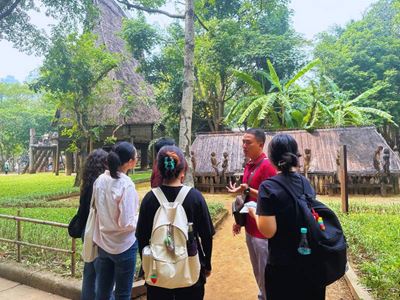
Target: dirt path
{"points": [[235, 281]]}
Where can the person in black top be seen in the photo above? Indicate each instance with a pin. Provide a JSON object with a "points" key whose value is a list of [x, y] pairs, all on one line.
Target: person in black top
{"points": [[276, 219], [95, 165], [196, 211]]}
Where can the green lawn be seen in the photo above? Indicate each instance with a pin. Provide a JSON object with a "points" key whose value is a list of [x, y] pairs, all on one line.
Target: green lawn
{"points": [[373, 234], [29, 189]]}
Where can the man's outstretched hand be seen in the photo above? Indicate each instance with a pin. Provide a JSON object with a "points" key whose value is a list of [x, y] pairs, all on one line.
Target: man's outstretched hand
{"points": [[232, 188]]}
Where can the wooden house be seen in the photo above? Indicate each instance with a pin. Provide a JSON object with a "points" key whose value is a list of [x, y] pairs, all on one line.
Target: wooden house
{"points": [[321, 165]]}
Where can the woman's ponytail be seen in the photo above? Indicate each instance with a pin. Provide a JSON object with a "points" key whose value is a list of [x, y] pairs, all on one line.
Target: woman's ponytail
{"points": [[113, 164]]}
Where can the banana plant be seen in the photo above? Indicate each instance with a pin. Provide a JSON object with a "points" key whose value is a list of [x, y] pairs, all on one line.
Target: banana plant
{"points": [[275, 108], [343, 111]]}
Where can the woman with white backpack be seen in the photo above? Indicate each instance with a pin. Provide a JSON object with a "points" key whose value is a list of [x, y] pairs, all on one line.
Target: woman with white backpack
{"points": [[116, 203], [175, 234]]}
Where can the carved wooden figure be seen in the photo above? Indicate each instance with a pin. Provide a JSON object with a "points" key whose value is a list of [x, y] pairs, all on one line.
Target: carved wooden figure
{"points": [[225, 163], [214, 163], [377, 159], [386, 161], [307, 160]]}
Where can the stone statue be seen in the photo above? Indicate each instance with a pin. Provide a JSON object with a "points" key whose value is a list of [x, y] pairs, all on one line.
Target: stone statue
{"points": [[307, 160], [214, 163], [386, 161], [377, 159]]}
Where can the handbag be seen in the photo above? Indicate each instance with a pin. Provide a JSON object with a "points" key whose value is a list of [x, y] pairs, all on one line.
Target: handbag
{"points": [[75, 227], [89, 248], [237, 205]]}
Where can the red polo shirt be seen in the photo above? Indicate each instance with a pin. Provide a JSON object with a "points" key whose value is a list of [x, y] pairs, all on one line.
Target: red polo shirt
{"points": [[263, 172]]}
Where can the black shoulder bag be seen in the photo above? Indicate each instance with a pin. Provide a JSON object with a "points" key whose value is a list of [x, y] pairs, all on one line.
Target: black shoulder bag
{"points": [[241, 199]]}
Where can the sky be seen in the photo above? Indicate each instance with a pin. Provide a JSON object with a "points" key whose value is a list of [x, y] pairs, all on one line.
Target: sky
{"points": [[310, 17]]}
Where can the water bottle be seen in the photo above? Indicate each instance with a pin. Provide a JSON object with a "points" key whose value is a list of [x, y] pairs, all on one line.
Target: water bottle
{"points": [[304, 248], [191, 243]]}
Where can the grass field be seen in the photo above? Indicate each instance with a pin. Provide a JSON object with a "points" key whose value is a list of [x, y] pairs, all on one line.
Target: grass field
{"points": [[29, 189], [373, 235]]}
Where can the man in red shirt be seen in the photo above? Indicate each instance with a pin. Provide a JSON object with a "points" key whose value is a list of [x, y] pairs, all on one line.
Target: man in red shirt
{"points": [[255, 172]]}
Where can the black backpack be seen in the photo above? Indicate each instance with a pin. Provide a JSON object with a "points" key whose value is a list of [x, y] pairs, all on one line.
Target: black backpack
{"points": [[328, 259]]}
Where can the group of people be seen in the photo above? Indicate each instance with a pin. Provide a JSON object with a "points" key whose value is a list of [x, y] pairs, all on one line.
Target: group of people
{"points": [[124, 226]]}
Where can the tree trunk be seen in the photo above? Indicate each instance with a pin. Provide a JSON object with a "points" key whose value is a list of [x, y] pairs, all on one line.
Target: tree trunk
{"points": [[185, 128], [82, 156]]}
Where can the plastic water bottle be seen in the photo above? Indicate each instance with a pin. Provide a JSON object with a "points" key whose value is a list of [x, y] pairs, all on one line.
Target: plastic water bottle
{"points": [[304, 248], [191, 243]]}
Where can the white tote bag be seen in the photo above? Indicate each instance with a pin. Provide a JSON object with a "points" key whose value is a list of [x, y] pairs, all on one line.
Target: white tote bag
{"points": [[89, 249]]}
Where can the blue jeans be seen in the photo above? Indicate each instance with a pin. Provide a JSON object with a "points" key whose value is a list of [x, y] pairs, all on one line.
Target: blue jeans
{"points": [[89, 280], [118, 269]]}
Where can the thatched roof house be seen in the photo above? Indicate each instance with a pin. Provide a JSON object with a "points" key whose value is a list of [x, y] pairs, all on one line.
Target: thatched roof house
{"points": [[361, 142], [108, 29], [128, 120]]}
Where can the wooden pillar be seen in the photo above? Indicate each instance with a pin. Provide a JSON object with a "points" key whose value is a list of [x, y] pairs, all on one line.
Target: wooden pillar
{"points": [[344, 179], [69, 163], [32, 134], [144, 159], [91, 145], [57, 162], [54, 155]]}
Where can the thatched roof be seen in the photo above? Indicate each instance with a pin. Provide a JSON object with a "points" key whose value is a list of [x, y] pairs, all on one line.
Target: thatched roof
{"points": [[361, 144], [108, 28]]}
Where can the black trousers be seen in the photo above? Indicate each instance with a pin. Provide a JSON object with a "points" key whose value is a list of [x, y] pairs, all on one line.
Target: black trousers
{"points": [[287, 283], [195, 292]]}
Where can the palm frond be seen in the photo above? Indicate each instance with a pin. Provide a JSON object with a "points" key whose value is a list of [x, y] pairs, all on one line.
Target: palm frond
{"points": [[365, 95], [253, 106], [239, 107], [273, 76], [378, 112], [269, 101], [303, 71], [250, 81]]}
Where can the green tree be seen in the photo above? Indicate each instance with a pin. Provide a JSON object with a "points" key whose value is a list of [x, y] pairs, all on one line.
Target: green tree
{"points": [[277, 108], [74, 76], [366, 54], [20, 110], [343, 110], [16, 26]]}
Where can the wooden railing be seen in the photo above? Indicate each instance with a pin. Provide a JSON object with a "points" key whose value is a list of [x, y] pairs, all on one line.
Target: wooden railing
{"points": [[18, 241]]}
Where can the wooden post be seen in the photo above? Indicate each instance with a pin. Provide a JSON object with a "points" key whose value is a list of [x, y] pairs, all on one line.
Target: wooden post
{"points": [[32, 134], [19, 236], [73, 260], [344, 179], [144, 158], [57, 162]]}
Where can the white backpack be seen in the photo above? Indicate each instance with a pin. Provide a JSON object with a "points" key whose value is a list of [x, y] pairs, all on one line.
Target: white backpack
{"points": [[165, 261]]}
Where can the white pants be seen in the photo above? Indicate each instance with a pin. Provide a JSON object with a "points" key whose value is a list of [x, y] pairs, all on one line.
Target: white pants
{"points": [[258, 251]]}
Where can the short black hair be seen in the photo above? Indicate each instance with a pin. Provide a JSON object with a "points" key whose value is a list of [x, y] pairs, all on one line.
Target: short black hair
{"points": [[164, 141], [258, 133]]}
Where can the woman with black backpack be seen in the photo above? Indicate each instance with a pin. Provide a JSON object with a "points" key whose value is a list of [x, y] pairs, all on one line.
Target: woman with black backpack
{"points": [[277, 220]]}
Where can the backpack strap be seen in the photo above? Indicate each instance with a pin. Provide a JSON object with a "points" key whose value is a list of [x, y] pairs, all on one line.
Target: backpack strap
{"points": [[178, 200], [284, 183], [182, 194]]}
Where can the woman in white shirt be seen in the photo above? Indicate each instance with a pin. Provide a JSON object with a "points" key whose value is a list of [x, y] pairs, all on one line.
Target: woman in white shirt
{"points": [[117, 205]]}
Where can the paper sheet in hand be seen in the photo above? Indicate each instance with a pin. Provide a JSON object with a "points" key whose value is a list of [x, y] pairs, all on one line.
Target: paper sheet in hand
{"points": [[246, 206]]}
